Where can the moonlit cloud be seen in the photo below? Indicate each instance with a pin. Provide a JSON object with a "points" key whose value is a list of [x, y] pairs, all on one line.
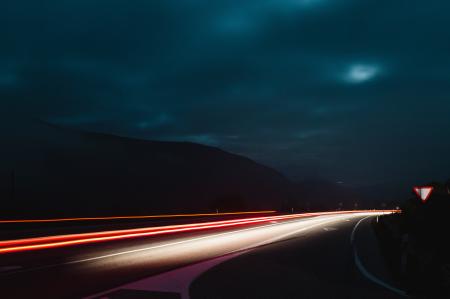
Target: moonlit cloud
{"points": [[360, 73], [326, 87], [7, 79], [237, 23], [161, 120], [312, 133], [307, 2]]}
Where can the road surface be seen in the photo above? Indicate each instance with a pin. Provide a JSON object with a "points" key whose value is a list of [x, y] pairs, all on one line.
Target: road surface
{"points": [[304, 257]]}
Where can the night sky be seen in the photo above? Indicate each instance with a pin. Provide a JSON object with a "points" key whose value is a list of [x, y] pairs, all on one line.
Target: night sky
{"points": [[346, 90]]}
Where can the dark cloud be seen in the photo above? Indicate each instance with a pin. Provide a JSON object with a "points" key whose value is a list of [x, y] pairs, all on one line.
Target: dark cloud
{"points": [[356, 91]]}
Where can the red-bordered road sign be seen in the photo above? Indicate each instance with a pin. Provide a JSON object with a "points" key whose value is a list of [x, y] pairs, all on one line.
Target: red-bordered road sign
{"points": [[423, 192]]}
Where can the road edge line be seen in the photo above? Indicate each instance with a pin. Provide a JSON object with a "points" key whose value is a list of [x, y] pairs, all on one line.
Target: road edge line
{"points": [[364, 271]]}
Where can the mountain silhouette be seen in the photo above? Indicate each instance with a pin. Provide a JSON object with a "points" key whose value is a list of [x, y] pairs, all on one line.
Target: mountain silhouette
{"points": [[59, 171]]}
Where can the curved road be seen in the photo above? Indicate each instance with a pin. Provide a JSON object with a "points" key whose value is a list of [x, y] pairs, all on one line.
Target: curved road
{"points": [[303, 257]]}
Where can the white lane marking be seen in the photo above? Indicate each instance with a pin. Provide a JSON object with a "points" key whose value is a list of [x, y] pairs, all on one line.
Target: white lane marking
{"points": [[364, 271], [278, 238], [329, 229], [179, 280], [183, 242], [165, 245], [312, 219], [352, 236]]}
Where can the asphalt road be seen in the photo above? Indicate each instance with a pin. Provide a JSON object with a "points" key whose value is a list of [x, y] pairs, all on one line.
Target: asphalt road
{"points": [[315, 264], [291, 258]]}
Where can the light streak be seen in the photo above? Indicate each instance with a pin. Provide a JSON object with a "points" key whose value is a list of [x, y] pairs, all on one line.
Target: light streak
{"points": [[48, 242], [129, 217]]}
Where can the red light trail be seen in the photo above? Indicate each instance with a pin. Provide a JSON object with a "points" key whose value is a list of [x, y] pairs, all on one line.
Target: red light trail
{"points": [[11, 246], [130, 217]]}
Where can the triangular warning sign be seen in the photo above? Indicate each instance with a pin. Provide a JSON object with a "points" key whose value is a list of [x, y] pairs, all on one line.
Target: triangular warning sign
{"points": [[423, 192]]}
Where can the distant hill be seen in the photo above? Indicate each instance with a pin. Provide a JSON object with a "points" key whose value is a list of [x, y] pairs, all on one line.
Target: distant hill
{"points": [[60, 171], [320, 194]]}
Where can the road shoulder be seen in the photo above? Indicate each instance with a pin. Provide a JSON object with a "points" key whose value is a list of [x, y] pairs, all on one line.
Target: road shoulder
{"points": [[368, 257]]}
